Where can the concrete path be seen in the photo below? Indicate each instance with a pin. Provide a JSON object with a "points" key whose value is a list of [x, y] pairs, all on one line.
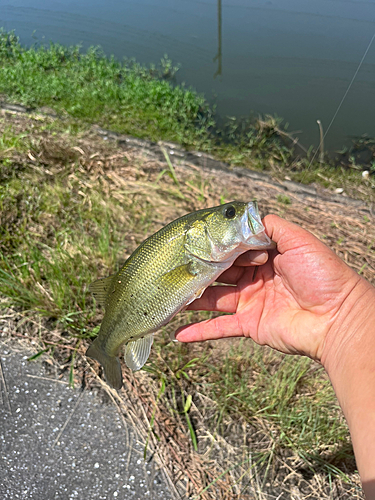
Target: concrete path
{"points": [[60, 443]]}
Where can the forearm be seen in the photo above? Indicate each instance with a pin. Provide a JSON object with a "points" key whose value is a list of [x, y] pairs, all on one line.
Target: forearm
{"points": [[349, 358]]}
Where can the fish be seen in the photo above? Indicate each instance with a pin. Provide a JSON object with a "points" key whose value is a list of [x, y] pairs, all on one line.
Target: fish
{"points": [[167, 272]]}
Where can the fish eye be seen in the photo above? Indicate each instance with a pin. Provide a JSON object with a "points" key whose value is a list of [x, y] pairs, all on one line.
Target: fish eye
{"points": [[230, 212]]}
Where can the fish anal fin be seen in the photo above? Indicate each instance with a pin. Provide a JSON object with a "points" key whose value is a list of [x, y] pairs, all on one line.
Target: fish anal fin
{"points": [[100, 289], [110, 364], [138, 351]]}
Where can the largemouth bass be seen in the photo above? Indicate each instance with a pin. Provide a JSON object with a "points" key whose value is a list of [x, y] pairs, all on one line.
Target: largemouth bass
{"points": [[164, 274]]}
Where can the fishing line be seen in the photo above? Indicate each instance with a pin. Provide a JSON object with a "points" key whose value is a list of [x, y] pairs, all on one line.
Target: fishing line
{"points": [[343, 98]]}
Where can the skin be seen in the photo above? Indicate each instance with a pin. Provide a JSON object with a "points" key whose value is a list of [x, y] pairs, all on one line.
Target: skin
{"points": [[304, 300]]}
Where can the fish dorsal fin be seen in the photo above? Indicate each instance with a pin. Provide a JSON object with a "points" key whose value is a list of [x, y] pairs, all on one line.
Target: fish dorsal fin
{"points": [[138, 351], [100, 289]]}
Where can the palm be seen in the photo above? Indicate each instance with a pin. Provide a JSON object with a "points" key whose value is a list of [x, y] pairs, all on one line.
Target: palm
{"points": [[292, 301]]}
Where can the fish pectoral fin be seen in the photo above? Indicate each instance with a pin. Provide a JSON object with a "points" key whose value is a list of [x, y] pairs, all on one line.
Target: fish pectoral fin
{"points": [[100, 289], [137, 352], [179, 275]]}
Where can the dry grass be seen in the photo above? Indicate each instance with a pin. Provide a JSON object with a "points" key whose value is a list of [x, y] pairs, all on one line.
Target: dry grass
{"points": [[241, 454]]}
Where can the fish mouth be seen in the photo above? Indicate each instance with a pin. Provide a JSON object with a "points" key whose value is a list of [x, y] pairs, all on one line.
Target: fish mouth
{"points": [[253, 230]]}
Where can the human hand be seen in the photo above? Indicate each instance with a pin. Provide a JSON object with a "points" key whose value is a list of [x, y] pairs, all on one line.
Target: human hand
{"points": [[304, 300], [293, 303]]}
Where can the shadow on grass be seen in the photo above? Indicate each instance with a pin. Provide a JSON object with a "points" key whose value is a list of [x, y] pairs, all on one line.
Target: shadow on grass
{"points": [[340, 462]]}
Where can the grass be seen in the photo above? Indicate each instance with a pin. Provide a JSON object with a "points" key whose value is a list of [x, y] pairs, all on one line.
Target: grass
{"points": [[282, 198], [35, 260], [292, 398], [94, 89], [72, 208], [89, 88]]}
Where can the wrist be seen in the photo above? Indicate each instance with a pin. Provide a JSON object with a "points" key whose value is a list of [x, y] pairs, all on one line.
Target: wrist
{"points": [[349, 359], [351, 331], [349, 348]]}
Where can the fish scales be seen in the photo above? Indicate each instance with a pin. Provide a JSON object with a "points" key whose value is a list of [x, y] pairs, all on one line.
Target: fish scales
{"points": [[144, 294], [164, 274]]}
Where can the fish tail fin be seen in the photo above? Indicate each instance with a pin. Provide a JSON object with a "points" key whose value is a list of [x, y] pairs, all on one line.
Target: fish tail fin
{"points": [[110, 364]]}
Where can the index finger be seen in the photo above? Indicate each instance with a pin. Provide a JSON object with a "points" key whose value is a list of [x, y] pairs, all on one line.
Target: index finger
{"points": [[211, 329]]}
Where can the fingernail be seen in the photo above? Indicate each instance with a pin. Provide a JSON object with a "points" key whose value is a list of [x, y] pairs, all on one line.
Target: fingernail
{"points": [[172, 337], [261, 258]]}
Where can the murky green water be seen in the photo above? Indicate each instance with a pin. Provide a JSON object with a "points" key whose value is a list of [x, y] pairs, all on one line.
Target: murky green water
{"points": [[293, 58]]}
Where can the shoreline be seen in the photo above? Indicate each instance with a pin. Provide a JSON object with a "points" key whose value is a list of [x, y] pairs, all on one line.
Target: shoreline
{"points": [[89, 88]]}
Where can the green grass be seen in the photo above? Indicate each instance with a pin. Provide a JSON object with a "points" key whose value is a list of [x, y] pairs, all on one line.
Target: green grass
{"points": [[280, 390], [53, 240], [89, 87], [291, 396], [283, 199]]}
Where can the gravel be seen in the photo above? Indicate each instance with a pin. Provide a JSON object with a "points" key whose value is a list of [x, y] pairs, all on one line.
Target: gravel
{"points": [[92, 457]]}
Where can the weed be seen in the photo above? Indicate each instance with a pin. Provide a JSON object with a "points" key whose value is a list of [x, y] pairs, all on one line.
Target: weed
{"points": [[95, 89], [284, 199], [170, 172], [362, 268]]}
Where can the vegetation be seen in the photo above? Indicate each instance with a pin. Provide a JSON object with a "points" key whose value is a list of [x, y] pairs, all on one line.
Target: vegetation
{"points": [[94, 89], [89, 88], [72, 209]]}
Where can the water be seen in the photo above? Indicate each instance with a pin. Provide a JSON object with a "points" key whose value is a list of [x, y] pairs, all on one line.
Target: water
{"points": [[292, 58]]}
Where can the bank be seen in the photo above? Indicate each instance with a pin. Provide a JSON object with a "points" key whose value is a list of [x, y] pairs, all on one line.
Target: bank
{"points": [[126, 97]]}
